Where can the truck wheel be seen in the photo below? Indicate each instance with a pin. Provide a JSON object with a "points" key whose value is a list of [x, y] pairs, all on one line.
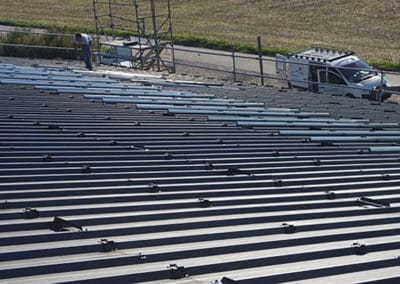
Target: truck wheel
{"points": [[350, 96], [386, 95]]}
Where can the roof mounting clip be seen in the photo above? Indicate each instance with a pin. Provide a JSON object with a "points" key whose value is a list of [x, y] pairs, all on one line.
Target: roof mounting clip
{"points": [[275, 153], [330, 195], [236, 171], [277, 182], [317, 162], [208, 166], [372, 202], [168, 156], [113, 142], [153, 188], [359, 249], [142, 256], [4, 204], [31, 213], [177, 272], [86, 169], [288, 228], [47, 158], [60, 225], [204, 203], [107, 245]]}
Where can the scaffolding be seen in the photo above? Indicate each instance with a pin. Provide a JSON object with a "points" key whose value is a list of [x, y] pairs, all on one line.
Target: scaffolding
{"points": [[135, 34]]}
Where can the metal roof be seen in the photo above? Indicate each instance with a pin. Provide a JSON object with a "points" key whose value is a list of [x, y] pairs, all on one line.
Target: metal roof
{"points": [[266, 186]]}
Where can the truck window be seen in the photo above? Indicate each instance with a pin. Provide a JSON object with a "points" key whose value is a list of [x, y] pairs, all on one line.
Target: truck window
{"points": [[332, 78], [357, 71]]}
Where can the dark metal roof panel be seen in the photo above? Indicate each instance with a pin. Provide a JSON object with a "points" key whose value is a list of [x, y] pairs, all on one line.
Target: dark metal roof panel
{"points": [[132, 191]]}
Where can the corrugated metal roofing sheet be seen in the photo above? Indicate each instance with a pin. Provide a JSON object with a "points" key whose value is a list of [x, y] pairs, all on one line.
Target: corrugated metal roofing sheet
{"points": [[117, 193]]}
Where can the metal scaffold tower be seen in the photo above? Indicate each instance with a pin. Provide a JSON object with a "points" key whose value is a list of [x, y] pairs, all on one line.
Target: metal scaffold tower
{"points": [[135, 34]]}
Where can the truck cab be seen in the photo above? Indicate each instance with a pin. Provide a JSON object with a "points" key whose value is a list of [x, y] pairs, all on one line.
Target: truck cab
{"points": [[331, 72]]}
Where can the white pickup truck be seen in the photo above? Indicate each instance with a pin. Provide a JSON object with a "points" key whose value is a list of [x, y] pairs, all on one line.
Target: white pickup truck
{"points": [[332, 72]]}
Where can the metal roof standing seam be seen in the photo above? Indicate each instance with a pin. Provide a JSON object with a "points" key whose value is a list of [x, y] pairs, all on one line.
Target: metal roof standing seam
{"points": [[108, 182]]}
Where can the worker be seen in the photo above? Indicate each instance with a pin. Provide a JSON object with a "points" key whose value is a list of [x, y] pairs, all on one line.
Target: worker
{"points": [[84, 41]]}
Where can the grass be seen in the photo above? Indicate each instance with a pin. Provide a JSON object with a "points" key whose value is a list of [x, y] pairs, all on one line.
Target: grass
{"points": [[36, 41], [368, 27]]}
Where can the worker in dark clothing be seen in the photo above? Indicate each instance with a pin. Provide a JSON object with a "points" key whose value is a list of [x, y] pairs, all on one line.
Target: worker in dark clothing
{"points": [[84, 41]]}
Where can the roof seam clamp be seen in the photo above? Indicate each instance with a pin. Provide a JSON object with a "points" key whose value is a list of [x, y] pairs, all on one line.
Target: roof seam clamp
{"points": [[47, 158], [168, 156], [31, 213], [208, 166], [236, 171], [142, 256], [359, 249], [330, 195], [153, 188], [204, 203], [113, 142], [4, 204], [288, 228], [275, 153], [177, 272], [86, 169], [277, 182], [317, 162], [108, 245]]}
